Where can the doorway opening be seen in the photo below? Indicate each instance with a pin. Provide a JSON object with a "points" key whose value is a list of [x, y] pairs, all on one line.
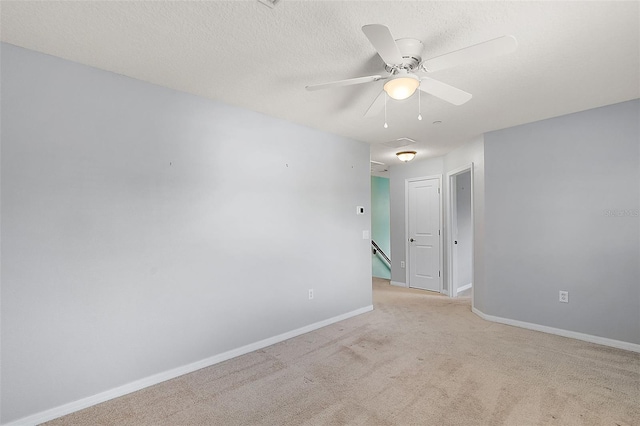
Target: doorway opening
{"points": [[380, 228], [460, 235]]}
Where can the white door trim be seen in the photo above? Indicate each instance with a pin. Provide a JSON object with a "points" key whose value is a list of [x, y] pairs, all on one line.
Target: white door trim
{"points": [[451, 210], [406, 227]]}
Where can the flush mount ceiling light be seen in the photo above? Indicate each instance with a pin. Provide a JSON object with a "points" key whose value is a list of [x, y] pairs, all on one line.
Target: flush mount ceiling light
{"points": [[406, 155], [402, 85]]}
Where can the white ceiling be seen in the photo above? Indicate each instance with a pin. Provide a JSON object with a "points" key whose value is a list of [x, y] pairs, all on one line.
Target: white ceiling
{"points": [[572, 56]]}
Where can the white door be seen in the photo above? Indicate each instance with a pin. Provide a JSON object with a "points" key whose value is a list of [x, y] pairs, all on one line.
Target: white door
{"points": [[424, 234]]}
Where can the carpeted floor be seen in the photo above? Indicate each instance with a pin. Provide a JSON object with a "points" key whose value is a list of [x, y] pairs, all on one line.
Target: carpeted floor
{"points": [[417, 359]]}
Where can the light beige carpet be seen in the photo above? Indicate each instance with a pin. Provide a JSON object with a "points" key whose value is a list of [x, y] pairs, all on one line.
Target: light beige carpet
{"points": [[417, 359]]}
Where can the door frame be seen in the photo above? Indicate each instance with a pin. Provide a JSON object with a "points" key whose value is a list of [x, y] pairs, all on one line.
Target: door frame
{"points": [[451, 216], [406, 228]]}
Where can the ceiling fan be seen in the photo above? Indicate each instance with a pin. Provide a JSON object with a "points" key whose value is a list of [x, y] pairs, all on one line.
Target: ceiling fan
{"points": [[403, 60]]}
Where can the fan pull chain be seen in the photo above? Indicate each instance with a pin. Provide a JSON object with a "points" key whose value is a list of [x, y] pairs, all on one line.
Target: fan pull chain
{"points": [[385, 110], [419, 110]]}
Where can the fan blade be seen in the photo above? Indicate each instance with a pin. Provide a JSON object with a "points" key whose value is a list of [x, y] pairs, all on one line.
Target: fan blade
{"points": [[382, 40], [488, 49], [341, 83], [444, 91], [376, 106]]}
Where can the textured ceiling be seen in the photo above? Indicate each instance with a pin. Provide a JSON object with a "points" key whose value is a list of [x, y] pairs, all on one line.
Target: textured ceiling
{"points": [[572, 56]]}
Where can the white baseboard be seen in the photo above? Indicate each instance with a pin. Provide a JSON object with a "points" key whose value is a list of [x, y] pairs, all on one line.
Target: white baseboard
{"points": [[560, 332], [463, 288], [81, 404], [399, 284]]}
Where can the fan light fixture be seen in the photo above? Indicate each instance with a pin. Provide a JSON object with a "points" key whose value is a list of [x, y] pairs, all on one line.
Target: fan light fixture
{"points": [[402, 86], [406, 155]]}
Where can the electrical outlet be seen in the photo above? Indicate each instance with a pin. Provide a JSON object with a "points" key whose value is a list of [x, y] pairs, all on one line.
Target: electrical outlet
{"points": [[310, 293], [564, 296], [402, 263]]}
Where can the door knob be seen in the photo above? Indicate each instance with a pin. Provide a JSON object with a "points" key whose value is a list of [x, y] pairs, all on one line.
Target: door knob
{"points": [[412, 240]]}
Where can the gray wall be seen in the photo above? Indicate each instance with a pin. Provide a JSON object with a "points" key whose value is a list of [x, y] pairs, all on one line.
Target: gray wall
{"points": [[144, 229], [463, 231], [562, 199]]}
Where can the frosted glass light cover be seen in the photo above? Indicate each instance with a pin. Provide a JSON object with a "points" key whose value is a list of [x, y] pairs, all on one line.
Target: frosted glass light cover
{"points": [[406, 155], [402, 87]]}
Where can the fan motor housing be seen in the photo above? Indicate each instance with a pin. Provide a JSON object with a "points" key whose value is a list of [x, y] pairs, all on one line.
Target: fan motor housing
{"points": [[411, 51]]}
